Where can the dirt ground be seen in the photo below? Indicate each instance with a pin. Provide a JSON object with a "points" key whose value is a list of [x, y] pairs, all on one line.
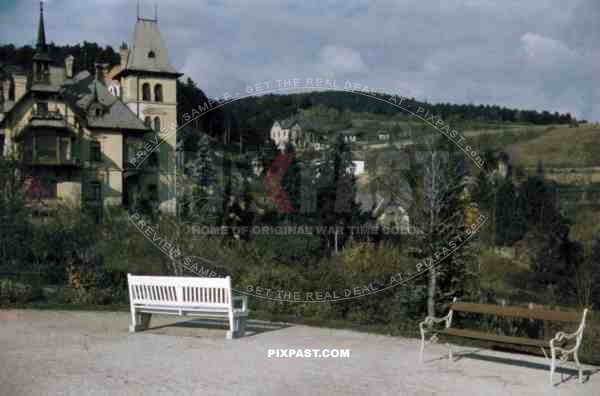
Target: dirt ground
{"points": [[91, 353]]}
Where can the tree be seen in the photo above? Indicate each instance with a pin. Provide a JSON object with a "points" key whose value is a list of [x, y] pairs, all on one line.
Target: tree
{"points": [[587, 276], [15, 230], [440, 216], [510, 221], [336, 205]]}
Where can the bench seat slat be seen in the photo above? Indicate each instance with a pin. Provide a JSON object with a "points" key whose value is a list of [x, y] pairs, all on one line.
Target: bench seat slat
{"points": [[559, 316], [197, 307], [495, 337]]}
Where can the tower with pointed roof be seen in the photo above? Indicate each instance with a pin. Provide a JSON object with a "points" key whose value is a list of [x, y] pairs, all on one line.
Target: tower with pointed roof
{"points": [[148, 83], [74, 139], [41, 58]]}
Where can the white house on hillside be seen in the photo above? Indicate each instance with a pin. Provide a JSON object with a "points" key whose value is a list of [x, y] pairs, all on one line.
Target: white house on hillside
{"points": [[296, 132]]}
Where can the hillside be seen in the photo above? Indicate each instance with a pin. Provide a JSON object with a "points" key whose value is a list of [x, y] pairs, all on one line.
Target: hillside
{"points": [[551, 149]]}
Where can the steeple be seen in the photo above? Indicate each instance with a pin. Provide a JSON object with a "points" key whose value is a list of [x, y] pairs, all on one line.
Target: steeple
{"points": [[41, 38], [41, 48]]}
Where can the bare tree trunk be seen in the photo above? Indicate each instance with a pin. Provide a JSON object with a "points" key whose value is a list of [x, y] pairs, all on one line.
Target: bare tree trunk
{"points": [[432, 224], [431, 292], [336, 242]]}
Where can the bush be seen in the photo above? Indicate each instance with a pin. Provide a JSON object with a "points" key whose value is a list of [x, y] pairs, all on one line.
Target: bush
{"points": [[16, 292], [92, 296]]}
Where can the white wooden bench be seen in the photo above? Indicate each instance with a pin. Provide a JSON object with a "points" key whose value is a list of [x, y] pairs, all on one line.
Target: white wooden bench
{"points": [[185, 296]]}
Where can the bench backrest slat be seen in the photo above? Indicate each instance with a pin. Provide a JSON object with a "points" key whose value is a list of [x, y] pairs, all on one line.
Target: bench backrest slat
{"points": [[179, 291], [520, 312]]}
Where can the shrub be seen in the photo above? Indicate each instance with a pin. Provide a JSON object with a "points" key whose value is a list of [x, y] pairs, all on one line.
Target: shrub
{"points": [[16, 292]]}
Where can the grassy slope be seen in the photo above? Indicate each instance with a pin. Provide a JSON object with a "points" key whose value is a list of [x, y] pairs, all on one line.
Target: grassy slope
{"points": [[560, 147]]}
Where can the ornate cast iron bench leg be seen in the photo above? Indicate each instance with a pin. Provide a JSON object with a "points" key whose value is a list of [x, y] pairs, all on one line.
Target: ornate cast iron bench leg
{"points": [[564, 353], [426, 326]]}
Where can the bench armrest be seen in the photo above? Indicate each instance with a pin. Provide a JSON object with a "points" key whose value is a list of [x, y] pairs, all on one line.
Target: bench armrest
{"points": [[244, 300], [562, 336], [431, 320]]}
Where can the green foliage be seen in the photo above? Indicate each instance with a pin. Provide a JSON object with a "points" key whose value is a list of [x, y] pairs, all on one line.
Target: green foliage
{"points": [[15, 229], [16, 292], [259, 112], [86, 55], [510, 214]]}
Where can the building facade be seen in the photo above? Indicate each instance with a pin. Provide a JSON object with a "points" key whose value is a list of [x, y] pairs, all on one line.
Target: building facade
{"points": [[294, 132], [76, 134]]}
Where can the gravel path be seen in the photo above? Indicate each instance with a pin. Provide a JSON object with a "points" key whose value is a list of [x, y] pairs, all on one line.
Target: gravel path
{"points": [[91, 353]]}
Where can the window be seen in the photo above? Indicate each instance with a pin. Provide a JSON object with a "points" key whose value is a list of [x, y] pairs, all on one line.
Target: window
{"points": [[95, 191], [156, 124], [11, 91], [28, 148], [148, 122], [42, 108], [45, 148], [64, 149], [146, 92], [153, 159], [158, 93], [95, 152]]}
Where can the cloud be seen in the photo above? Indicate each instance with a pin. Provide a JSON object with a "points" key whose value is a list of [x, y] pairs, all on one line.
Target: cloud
{"points": [[545, 51], [340, 61], [540, 54]]}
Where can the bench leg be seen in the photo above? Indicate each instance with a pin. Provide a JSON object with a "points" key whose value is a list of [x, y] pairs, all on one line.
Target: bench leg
{"points": [[139, 321], [237, 327], [133, 324], [241, 326], [552, 365], [422, 345], [576, 356]]}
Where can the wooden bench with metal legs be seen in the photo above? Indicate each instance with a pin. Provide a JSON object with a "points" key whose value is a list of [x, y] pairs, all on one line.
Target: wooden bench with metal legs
{"points": [[559, 352]]}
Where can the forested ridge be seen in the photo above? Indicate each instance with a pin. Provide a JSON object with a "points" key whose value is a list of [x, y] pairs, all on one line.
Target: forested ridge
{"points": [[258, 112]]}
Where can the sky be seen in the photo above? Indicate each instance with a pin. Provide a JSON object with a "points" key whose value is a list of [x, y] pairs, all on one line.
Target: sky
{"points": [[529, 54]]}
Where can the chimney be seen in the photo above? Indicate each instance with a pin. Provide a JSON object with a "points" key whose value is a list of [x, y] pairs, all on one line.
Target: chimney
{"points": [[124, 52], [69, 62], [20, 85], [105, 70], [6, 90], [100, 71]]}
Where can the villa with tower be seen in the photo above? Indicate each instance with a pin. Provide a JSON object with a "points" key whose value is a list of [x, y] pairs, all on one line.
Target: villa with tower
{"points": [[76, 134]]}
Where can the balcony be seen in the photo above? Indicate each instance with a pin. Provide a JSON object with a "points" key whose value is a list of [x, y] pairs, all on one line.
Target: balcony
{"points": [[71, 162], [42, 118]]}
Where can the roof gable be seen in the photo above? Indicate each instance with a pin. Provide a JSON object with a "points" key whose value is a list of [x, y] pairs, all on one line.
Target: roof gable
{"points": [[148, 52], [84, 90]]}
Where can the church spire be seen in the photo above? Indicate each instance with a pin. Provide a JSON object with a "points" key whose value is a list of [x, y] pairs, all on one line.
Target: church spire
{"points": [[41, 38], [41, 58]]}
